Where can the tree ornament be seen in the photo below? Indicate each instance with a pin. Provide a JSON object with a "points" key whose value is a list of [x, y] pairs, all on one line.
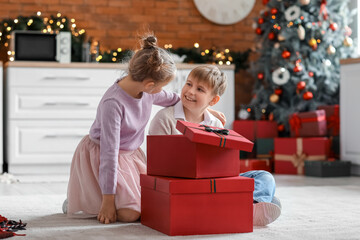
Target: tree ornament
{"points": [[281, 38], [313, 43], [333, 26], [301, 85], [271, 116], [276, 45], [273, 11], [292, 13], [308, 95], [348, 31], [271, 36], [260, 21], [265, 1], [331, 50], [280, 76], [278, 91], [286, 54], [281, 127], [260, 76], [298, 68], [348, 42], [274, 98], [311, 74], [304, 2], [258, 31], [327, 62], [243, 114], [301, 32]]}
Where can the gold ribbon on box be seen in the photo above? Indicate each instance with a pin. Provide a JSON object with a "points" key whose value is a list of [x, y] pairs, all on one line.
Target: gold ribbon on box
{"points": [[299, 157]]}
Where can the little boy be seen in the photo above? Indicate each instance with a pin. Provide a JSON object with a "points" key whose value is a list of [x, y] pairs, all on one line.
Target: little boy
{"points": [[203, 88]]}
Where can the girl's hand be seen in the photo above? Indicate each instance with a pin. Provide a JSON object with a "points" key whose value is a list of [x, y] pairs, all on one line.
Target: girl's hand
{"points": [[107, 212], [218, 115]]}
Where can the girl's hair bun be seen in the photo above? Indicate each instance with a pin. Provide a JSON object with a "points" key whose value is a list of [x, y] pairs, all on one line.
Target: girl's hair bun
{"points": [[149, 42]]}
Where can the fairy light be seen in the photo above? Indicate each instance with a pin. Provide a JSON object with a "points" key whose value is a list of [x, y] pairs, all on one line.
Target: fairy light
{"points": [[63, 20], [263, 110], [114, 54], [318, 41], [119, 49], [30, 22], [273, 17], [196, 45], [8, 29], [248, 109], [58, 23], [9, 53], [58, 15], [228, 62], [227, 50], [46, 20], [202, 53], [8, 36], [221, 63], [6, 44], [207, 51], [99, 58], [114, 59], [170, 45], [218, 55], [62, 26], [44, 30], [72, 20], [38, 13], [51, 21], [16, 20], [230, 59], [11, 59]]}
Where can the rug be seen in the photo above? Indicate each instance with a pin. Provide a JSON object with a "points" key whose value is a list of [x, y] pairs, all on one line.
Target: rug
{"points": [[309, 212]]}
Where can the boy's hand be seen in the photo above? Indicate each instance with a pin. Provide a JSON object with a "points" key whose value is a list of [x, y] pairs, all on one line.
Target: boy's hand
{"points": [[218, 115], [107, 212]]}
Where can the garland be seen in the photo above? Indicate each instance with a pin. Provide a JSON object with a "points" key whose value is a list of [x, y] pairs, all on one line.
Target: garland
{"points": [[58, 23]]}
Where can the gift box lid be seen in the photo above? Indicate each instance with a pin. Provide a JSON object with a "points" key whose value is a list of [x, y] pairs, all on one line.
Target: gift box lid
{"points": [[188, 186], [214, 136]]}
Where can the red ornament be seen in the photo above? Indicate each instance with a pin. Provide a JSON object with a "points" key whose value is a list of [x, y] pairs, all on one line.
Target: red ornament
{"points": [[308, 95], [265, 2], [311, 74], [281, 128], [260, 21], [266, 13], [273, 11], [286, 54], [271, 36], [333, 26], [348, 31], [278, 91], [258, 31], [301, 85], [260, 76], [298, 68]]}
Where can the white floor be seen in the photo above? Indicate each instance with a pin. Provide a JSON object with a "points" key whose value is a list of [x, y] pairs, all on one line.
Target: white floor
{"points": [[313, 208]]}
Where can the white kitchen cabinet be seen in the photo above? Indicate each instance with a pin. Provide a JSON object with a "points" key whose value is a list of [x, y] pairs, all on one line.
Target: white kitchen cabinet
{"points": [[51, 106], [1, 117], [349, 113]]}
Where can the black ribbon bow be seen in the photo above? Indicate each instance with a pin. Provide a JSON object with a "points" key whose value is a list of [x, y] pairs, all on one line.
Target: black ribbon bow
{"points": [[219, 131]]}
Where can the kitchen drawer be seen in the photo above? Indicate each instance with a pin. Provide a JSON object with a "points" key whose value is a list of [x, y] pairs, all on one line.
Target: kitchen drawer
{"points": [[54, 103], [60, 77], [44, 142]]}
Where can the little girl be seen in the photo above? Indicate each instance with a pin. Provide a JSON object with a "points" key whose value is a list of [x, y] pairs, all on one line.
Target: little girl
{"points": [[106, 167]]}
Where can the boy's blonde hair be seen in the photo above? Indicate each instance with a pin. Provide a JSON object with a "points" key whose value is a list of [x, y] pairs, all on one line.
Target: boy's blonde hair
{"points": [[212, 76], [152, 62]]}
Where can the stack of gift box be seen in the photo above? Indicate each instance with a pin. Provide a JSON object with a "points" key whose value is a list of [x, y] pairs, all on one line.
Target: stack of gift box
{"points": [[312, 148], [192, 185], [263, 134]]}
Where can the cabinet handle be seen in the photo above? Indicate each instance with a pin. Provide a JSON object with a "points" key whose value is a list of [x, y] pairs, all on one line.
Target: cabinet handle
{"points": [[66, 78], [64, 136], [65, 104]]}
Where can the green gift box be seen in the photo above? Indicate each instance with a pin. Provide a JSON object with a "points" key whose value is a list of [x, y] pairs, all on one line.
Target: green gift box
{"points": [[328, 168], [264, 147]]}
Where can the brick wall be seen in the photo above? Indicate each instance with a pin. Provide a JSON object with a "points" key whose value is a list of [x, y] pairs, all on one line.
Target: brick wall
{"points": [[117, 23]]}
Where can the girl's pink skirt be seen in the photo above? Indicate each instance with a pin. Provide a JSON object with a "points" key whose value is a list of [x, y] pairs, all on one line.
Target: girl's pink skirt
{"points": [[84, 193]]}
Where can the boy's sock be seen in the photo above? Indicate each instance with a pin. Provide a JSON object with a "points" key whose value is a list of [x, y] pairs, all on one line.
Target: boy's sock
{"points": [[64, 206], [265, 213]]}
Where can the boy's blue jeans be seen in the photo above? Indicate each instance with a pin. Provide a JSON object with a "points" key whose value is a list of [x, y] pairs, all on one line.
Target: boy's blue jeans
{"points": [[264, 185]]}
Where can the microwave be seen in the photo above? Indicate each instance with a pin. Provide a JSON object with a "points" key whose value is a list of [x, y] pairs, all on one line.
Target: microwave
{"points": [[38, 46]]}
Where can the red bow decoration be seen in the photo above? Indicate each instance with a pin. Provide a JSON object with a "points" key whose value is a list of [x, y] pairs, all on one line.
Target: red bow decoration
{"points": [[323, 10], [334, 122], [295, 123]]}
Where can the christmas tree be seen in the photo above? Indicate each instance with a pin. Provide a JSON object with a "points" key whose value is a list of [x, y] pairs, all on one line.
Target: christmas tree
{"points": [[300, 46]]}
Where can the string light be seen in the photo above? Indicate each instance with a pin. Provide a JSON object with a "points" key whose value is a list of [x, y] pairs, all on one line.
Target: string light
{"points": [[207, 51], [119, 49], [196, 45], [221, 63], [58, 15], [16, 20], [114, 54], [38, 13]]}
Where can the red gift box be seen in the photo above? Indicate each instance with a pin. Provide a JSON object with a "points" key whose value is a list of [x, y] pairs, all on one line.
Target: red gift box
{"points": [[332, 119], [255, 164], [290, 153], [178, 206], [308, 124], [256, 129], [198, 154]]}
